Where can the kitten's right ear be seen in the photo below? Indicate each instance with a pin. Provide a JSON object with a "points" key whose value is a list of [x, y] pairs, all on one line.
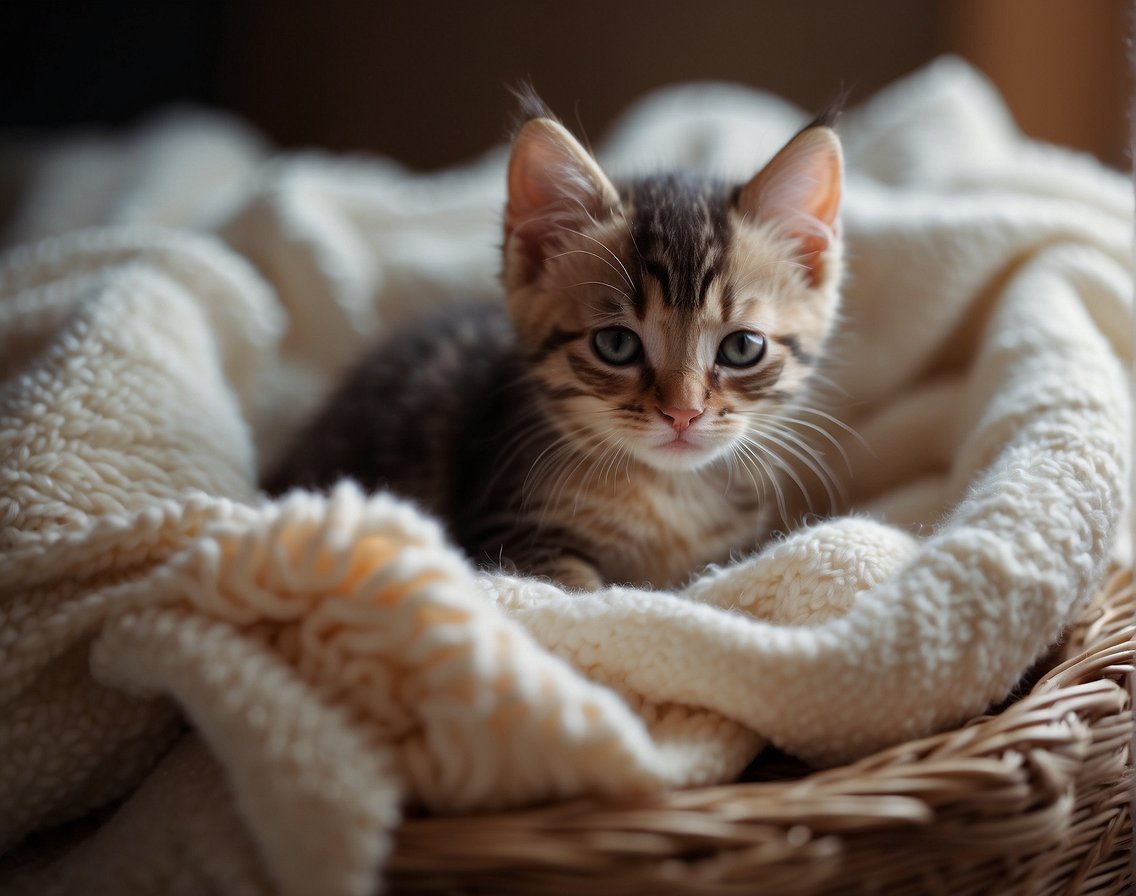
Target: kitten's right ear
{"points": [[800, 191], [553, 183]]}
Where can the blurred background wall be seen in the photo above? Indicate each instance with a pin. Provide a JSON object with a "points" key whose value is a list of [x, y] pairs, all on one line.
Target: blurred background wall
{"points": [[425, 81]]}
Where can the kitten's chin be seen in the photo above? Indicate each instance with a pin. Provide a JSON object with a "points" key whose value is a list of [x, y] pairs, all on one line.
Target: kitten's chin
{"points": [[679, 456]]}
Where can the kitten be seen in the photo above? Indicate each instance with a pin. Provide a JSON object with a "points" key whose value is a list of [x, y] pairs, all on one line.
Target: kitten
{"points": [[606, 425]]}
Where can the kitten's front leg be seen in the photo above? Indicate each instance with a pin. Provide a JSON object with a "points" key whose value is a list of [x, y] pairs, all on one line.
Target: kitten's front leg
{"points": [[570, 572], [534, 551]]}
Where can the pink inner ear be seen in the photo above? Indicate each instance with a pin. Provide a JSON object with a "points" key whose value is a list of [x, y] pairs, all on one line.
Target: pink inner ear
{"points": [[800, 191], [532, 185], [533, 194], [813, 248], [802, 180]]}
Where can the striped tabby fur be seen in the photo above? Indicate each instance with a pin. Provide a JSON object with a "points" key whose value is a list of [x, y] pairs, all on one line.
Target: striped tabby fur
{"points": [[540, 455]]}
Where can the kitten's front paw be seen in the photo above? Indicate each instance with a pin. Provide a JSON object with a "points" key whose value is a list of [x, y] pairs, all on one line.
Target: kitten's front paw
{"points": [[573, 574]]}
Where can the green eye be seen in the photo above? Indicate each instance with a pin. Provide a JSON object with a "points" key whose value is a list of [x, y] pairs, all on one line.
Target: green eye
{"points": [[741, 349], [616, 345]]}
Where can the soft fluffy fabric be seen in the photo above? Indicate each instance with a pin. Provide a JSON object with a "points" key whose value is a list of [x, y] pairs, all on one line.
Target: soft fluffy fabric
{"points": [[336, 659]]}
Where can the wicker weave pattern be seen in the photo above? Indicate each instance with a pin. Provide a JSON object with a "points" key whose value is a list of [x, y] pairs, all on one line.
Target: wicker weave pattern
{"points": [[1031, 800]]}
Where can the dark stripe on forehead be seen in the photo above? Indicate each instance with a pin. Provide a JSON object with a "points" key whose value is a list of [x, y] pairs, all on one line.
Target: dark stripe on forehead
{"points": [[727, 299], [794, 347], [680, 226], [707, 278], [639, 300], [659, 272]]}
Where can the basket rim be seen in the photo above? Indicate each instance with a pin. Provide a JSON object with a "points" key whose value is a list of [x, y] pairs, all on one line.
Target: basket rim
{"points": [[1044, 778]]}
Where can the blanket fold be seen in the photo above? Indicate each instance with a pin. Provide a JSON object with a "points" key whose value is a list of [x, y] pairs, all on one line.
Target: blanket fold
{"points": [[337, 660]]}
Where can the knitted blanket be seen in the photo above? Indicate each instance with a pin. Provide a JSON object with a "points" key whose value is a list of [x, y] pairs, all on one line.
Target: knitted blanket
{"points": [[225, 694]]}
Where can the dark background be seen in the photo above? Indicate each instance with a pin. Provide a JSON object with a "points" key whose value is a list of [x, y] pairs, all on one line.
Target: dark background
{"points": [[425, 81]]}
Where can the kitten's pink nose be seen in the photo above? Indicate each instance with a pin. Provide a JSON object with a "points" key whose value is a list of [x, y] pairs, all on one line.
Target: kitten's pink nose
{"points": [[681, 418]]}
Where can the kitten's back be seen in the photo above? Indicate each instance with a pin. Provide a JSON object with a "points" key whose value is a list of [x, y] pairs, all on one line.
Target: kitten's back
{"points": [[407, 418]]}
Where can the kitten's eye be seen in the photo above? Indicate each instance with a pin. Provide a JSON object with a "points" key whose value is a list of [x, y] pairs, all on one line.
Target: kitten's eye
{"points": [[741, 349], [616, 345]]}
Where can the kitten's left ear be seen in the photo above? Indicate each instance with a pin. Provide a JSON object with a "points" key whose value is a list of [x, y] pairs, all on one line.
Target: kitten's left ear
{"points": [[800, 191]]}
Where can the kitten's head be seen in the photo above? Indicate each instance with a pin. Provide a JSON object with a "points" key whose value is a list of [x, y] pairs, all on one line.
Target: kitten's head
{"points": [[670, 317]]}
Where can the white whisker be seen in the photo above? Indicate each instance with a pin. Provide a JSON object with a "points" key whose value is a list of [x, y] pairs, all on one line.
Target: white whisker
{"points": [[789, 471], [813, 463], [607, 249], [838, 423], [598, 283], [784, 422], [757, 488]]}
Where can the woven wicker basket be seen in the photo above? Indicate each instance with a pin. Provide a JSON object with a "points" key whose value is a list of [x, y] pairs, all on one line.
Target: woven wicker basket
{"points": [[1033, 799]]}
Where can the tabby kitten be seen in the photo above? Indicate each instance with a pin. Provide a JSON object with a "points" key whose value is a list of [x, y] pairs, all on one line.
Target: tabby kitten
{"points": [[606, 425]]}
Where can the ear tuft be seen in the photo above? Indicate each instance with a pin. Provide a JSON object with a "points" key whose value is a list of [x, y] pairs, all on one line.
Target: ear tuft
{"points": [[800, 191], [529, 105]]}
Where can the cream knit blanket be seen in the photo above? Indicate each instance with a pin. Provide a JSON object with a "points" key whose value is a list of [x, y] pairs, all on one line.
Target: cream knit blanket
{"points": [[337, 660]]}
